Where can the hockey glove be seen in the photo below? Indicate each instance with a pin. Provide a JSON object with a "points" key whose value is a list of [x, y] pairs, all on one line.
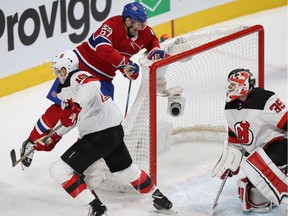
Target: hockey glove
{"points": [[131, 70], [157, 54], [229, 162], [26, 146], [47, 145], [69, 114]]}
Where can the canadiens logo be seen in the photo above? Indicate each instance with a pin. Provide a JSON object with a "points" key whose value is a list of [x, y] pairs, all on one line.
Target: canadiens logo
{"points": [[54, 94], [243, 133]]}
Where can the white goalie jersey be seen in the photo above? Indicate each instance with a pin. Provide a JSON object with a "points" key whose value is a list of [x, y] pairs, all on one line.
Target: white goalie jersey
{"points": [[258, 120]]}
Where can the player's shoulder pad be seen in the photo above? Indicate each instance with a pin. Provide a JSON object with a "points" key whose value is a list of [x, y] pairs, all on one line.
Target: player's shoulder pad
{"points": [[262, 93], [82, 77], [258, 98]]}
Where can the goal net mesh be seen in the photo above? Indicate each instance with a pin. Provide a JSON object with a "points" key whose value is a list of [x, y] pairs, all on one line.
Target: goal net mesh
{"points": [[202, 76]]}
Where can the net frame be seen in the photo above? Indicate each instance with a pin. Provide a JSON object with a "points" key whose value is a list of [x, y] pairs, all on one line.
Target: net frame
{"points": [[194, 51]]}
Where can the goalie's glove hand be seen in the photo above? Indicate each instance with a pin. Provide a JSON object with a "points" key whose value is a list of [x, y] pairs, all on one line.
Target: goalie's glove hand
{"points": [[47, 145], [131, 70], [69, 113], [228, 163], [157, 54]]}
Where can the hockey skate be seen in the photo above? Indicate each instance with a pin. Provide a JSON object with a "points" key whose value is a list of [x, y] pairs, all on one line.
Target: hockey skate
{"points": [[160, 201], [96, 207], [25, 147]]}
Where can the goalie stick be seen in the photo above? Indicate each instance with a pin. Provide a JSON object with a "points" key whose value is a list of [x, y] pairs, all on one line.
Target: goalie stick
{"points": [[13, 153], [218, 194]]}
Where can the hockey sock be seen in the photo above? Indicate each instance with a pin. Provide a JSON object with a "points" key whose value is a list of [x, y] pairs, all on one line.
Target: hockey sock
{"points": [[143, 184]]}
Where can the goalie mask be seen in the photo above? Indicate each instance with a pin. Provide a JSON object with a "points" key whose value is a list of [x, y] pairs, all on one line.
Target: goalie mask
{"points": [[240, 82], [65, 60]]}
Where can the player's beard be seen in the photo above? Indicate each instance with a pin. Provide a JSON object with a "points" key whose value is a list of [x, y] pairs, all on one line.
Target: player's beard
{"points": [[132, 32]]}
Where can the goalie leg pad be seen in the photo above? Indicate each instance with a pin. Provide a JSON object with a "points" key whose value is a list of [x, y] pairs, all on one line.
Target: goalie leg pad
{"points": [[251, 198], [266, 177]]}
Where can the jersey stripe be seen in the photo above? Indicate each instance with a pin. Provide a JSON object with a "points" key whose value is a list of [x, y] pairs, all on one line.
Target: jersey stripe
{"points": [[90, 79], [99, 40]]}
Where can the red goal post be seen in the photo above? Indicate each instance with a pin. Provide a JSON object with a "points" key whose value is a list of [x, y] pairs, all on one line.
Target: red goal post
{"points": [[195, 76]]}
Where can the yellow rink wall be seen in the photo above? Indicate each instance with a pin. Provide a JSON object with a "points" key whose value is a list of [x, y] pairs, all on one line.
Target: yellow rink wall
{"points": [[42, 73]]}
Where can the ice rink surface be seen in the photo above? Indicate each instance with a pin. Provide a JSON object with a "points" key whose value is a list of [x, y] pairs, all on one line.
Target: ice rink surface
{"points": [[184, 171]]}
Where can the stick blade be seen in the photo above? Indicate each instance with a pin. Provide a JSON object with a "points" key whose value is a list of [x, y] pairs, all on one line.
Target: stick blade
{"points": [[13, 157]]}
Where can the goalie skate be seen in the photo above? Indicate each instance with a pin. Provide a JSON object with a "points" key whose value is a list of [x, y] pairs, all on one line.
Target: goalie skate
{"points": [[25, 147]]}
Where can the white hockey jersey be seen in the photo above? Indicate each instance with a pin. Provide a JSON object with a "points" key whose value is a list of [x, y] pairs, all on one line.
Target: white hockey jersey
{"points": [[98, 112], [256, 121]]}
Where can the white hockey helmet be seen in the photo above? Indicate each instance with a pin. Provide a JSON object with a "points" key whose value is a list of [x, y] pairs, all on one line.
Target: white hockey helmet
{"points": [[239, 83], [66, 59]]}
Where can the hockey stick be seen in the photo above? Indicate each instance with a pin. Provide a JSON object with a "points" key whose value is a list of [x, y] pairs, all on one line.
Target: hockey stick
{"points": [[128, 97], [133, 58], [219, 193], [13, 153]]}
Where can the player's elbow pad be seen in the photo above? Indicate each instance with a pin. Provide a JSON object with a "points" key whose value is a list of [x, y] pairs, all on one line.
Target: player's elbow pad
{"points": [[230, 160]]}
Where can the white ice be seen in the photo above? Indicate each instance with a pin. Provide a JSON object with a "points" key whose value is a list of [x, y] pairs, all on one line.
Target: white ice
{"points": [[184, 170]]}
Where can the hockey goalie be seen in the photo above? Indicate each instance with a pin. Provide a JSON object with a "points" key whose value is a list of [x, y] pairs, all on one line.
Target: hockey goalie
{"points": [[256, 143]]}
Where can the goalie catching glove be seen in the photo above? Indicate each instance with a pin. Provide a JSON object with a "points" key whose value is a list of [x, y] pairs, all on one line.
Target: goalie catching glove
{"points": [[69, 113], [229, 162], [47, 145], [157, 54]]}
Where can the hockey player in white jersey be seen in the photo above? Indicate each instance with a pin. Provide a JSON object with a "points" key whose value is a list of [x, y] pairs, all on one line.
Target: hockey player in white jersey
{"points": [[98, 120], [256, 143]]}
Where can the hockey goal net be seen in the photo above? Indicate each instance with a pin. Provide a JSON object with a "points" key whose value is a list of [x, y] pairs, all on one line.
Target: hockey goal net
{"points": [[195, 77]]}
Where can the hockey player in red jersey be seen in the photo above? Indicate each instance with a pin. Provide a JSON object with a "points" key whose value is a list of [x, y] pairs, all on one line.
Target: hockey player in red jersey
{"points": [[106, 51], [98, 120], [256, 143]]}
